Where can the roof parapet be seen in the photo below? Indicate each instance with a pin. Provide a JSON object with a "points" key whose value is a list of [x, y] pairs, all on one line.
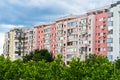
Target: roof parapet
{"points": [[115, 4], [94, 11], [71, 16]]}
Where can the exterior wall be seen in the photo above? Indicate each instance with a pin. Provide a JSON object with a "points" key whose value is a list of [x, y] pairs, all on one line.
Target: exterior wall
{"points": [[11, 47], [91, 34], [114, 37], [35, 32], [83, 36], [67, 38], [46, 37], [53, 39], [6, 45], [28, 41], [15, 43], [101, 30], [71, 37], [59, 37]]}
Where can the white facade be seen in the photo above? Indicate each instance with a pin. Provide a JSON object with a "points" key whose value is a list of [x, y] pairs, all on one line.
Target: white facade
{"points": [[114, 37]]}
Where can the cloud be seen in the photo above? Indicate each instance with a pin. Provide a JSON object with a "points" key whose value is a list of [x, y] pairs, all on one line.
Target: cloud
{"points": [[30, 12], [7, 27]]}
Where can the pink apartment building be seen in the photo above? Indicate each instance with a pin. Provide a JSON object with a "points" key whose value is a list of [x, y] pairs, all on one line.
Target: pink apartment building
{"points": [[45, 37], [101, 31]]}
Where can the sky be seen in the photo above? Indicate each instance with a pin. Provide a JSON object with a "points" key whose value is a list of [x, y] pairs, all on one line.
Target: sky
{"points": [[27, 13]]}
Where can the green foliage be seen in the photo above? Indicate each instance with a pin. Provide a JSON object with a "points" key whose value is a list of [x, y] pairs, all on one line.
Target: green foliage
{"points": [[39, 55], [94, 68]]}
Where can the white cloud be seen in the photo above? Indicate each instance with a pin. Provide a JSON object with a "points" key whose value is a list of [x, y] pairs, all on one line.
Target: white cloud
{"points": [[9, 26], [73, 6]]}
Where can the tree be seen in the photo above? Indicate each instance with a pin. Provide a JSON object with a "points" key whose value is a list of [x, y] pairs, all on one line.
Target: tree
{"points": [[39, 55], [4, 66], [15, 71]]}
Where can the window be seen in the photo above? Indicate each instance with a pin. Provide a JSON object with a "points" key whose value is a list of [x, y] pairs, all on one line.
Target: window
{"points": [[59, 50], [110, 57], [69, 56], [110, 31], [59, 44], [60, 26], [83, 21], [102, 19], [103, 49], [71, 50], [110, 40], [72, 43], [59, 31], [47, 35], [83, 49], [47, 30], [110, 23], [31, 32], [89, 49], [110, 19], [110, 49], [47, 40], [83, 28], [47, 46], [72, 24], [98, 49], [70, 31]]}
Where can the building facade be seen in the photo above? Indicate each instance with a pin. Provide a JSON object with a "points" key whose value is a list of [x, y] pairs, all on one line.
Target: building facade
{"points": [[113, 39], [28, 42], [45, 37], [95, 32], [14, 43]]}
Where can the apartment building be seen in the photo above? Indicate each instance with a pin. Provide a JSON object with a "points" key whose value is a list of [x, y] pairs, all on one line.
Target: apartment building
{"points": [[113, 38], [14, 43], [45, 37], [95, 32], [28, 42], [100, 29], [67, 37]]}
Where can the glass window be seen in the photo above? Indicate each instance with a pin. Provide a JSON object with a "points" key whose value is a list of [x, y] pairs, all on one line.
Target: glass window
{"points": [[110, 31], [83, 21], [71, 49], [47, 30], [83, 28], [59, 44], [60, 25], [72, 24], [59, 31], [110, 40], [110, 49], [110, 57], [110, 23], [69, 56]]}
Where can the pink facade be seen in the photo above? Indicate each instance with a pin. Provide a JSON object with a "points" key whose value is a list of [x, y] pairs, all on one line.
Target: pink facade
{"points": [[53, 39], [101, 30], [45, 37]]}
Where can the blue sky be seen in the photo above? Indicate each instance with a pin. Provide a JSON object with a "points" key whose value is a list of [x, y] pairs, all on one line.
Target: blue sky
{"points": [[31, 12]]}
